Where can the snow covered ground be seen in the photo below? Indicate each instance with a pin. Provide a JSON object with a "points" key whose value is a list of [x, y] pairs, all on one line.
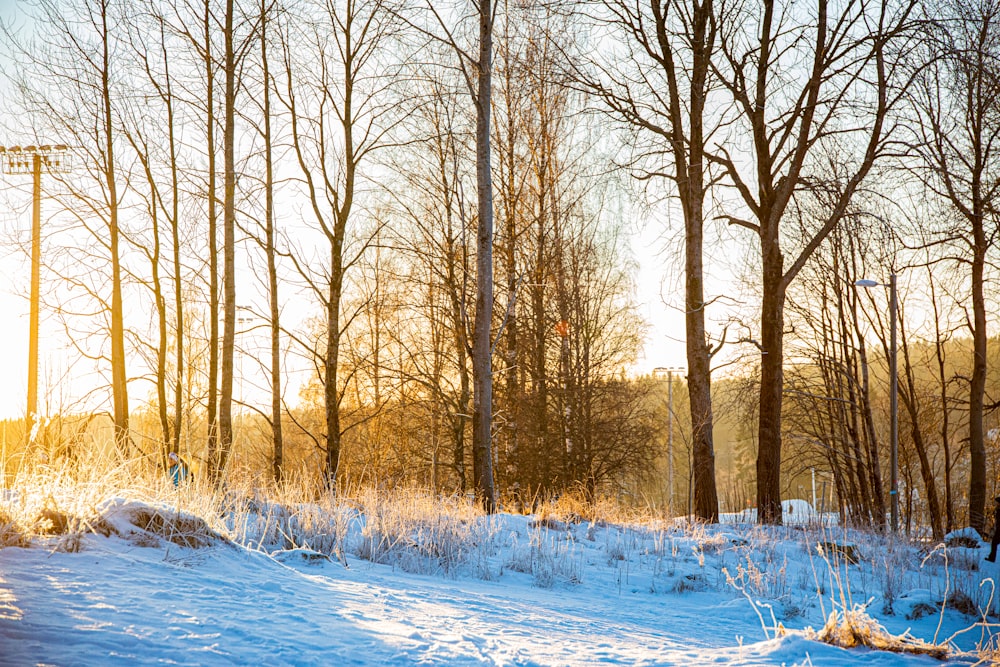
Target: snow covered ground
{"points": [[529, 593]]}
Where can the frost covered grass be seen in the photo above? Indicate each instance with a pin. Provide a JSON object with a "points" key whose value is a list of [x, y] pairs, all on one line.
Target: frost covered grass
{"points": [[854, 627], [812, 575]]}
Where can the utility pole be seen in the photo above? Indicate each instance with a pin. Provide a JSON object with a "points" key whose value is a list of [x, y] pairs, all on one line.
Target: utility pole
{"points": [[669, 372], [31, 160]]}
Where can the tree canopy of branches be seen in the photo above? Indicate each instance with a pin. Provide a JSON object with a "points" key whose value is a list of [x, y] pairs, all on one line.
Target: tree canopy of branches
{"points": [[392, 240]]}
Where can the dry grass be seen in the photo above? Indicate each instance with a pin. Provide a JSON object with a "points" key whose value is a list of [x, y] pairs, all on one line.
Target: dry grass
{"points": [[574, 507], [550, 556], [184, 530], [854, 627], [12, 534], [58, 506], [418, 531]]}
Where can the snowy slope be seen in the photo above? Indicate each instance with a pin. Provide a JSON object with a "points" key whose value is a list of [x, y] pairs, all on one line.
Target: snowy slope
{"points": [[115, 603]]}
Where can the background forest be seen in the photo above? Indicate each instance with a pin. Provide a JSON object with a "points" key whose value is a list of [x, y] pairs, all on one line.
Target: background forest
{"points": [[367, 243]]}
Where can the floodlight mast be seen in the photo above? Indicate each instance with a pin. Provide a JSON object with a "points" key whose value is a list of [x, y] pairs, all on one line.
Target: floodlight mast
{"points": [[31, 160]]}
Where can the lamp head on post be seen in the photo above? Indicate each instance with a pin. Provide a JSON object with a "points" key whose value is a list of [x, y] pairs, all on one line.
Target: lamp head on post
{"points": [[893, 398]]}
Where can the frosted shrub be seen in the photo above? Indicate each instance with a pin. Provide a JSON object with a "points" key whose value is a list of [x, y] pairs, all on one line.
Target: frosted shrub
{"points": [[322, 528], [549, 557], [261, 525], [964, 592], [711, 543], [418, 532], [764, 579], [967, 560], [620, 544], [891, 569], [664, 552]]}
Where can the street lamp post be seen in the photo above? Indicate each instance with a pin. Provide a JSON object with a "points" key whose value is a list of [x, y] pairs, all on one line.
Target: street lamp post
{"points": [[245, 325], [893, 398], [669, 372], [31, 160]]}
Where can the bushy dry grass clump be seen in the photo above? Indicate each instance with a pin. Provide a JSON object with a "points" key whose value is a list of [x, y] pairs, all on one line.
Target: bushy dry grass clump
{"points": [[422, 532], [550, 556], [60, 505], [181, 529], [12, 534], [575, 508], [854, 627]]}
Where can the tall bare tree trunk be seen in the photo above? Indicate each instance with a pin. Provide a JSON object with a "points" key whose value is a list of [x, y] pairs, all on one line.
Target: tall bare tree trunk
{"points": [[119, 380], [229, 249], [482, 363], [461, 343], [841, 39], [213, 252], [679, 40], [943, 403], [690, 177], [137, 135], [175, 224], [277, 460], [927, 469], [772, 322], [977, 385], [513, 391], [957, 102]]}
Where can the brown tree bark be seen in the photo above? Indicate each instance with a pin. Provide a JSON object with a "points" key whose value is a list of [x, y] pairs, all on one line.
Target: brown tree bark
{"points": [[119, 379], [781, 168], [957, 137], [680, 40], [482, 346], [270, 251], [228, 248], [360, 125], [927, 473], [212, 406]]}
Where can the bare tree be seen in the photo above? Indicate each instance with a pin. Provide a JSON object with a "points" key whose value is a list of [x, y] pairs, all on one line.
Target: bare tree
{"points": [[198, 34], [957, 128], [830, 411], [228, 244], [75, 55], [511, 170], [161, 168], [476, 66], [270, 250], [482, 341], [346, 45], [943, 335], [835, 56], [662, 91], [435, 239], [912, 398]]}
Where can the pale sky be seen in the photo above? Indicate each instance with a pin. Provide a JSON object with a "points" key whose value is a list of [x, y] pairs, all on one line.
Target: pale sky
{"points": [[656, 283]]}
